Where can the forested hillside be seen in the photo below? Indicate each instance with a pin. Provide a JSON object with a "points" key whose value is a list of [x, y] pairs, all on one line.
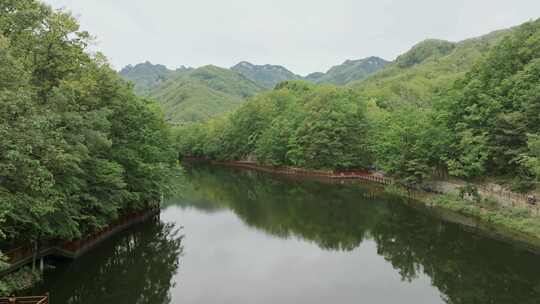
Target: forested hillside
{"points": [[415, 77], [194, 95], [191, 95], [147, 76], [469, 109], [266, 75], [349, 71], [298, 123], [428, 68], [77, 147], [493, 112]]}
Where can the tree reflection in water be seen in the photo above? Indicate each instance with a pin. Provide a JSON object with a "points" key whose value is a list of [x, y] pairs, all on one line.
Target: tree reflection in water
{"points": [[465, 266], [136, 266]]}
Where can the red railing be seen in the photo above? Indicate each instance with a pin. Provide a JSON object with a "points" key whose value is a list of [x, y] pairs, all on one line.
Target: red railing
{"points": [[77, 245], [74, 247], [364, 175], [18, 254], [26, 300]]}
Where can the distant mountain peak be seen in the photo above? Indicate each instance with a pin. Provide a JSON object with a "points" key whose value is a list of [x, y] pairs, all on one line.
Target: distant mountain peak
{"points": [[348, 71], [244, 64], [267, 75], [429, 48], [145, 75], [188, 94]]}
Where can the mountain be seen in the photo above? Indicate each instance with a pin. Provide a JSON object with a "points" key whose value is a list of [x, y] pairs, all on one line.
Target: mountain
{"points": [[314, 77], [350, 70], [429, 48], [266, 75], [416, 76], [192, 95], [198, 94], [429, 67], [147, 76]]}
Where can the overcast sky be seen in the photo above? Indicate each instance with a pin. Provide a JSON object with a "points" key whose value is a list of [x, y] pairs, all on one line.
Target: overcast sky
{"points": [[303, 35]]}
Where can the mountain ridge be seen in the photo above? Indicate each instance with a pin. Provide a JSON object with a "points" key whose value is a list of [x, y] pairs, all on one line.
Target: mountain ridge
{"points": [[191, 94], [266, 75], [350, 70], [414, 76]]}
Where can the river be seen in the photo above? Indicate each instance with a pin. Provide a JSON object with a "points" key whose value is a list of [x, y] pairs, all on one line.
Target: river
{"points": [[245, 237]]}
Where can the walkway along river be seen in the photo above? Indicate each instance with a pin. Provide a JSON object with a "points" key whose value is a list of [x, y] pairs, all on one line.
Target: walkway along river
{"points": [[238, 236], [20, 256]]}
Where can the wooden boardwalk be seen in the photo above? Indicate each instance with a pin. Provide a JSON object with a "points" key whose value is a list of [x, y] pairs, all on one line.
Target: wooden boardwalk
{"points": [[363, 175], [24, 255], [26, 300]]}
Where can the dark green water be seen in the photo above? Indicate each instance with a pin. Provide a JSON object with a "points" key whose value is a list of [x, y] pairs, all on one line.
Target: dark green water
{"points": [[245, 237]]}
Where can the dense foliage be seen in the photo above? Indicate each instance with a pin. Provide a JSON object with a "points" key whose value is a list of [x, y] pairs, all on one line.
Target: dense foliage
{"points": [[478, 126], [429, 68], [191, 95], [77, 147], [296, 124], [468, 109], [495, 109]]}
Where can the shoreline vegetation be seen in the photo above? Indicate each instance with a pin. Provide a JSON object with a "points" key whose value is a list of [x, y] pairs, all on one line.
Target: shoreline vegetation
{"points": [[24, 255], [473, 134], [78, 148], [517, 225], [21, 271]]}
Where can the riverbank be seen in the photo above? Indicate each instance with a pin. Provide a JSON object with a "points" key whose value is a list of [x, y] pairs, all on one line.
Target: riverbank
{"points": [[23, 255], [363, 175], [20, 277], [509, 223], [515, 222]]}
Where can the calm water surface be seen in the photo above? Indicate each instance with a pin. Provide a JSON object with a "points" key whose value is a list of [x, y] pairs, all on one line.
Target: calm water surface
{"points": [[244, 237]]}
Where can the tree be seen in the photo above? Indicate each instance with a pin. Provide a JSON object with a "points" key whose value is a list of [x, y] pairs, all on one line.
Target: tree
{"points": [[495, 105], [410, 144], [332, 131], [77, 147]]}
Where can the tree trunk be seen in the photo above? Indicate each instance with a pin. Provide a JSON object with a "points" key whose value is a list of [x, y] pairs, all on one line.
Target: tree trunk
{"points": [[34, 255]]}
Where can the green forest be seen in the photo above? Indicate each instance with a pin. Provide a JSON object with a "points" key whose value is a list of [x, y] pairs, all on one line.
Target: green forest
{"points": [[189, 95], [78, 148], [467, 109], [82, 145]]}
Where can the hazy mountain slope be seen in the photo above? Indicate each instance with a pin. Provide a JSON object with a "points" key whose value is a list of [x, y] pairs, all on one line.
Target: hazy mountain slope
{"points": [[314, 77], [198, 94], [350, 70], [225, 80], [267, 75], [429, 48], [430, 66], [147, 76], [202, 93]]}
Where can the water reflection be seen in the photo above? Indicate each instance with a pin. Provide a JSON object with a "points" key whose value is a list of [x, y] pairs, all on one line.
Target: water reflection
{"points": [[136, 266], [464, 266]]}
